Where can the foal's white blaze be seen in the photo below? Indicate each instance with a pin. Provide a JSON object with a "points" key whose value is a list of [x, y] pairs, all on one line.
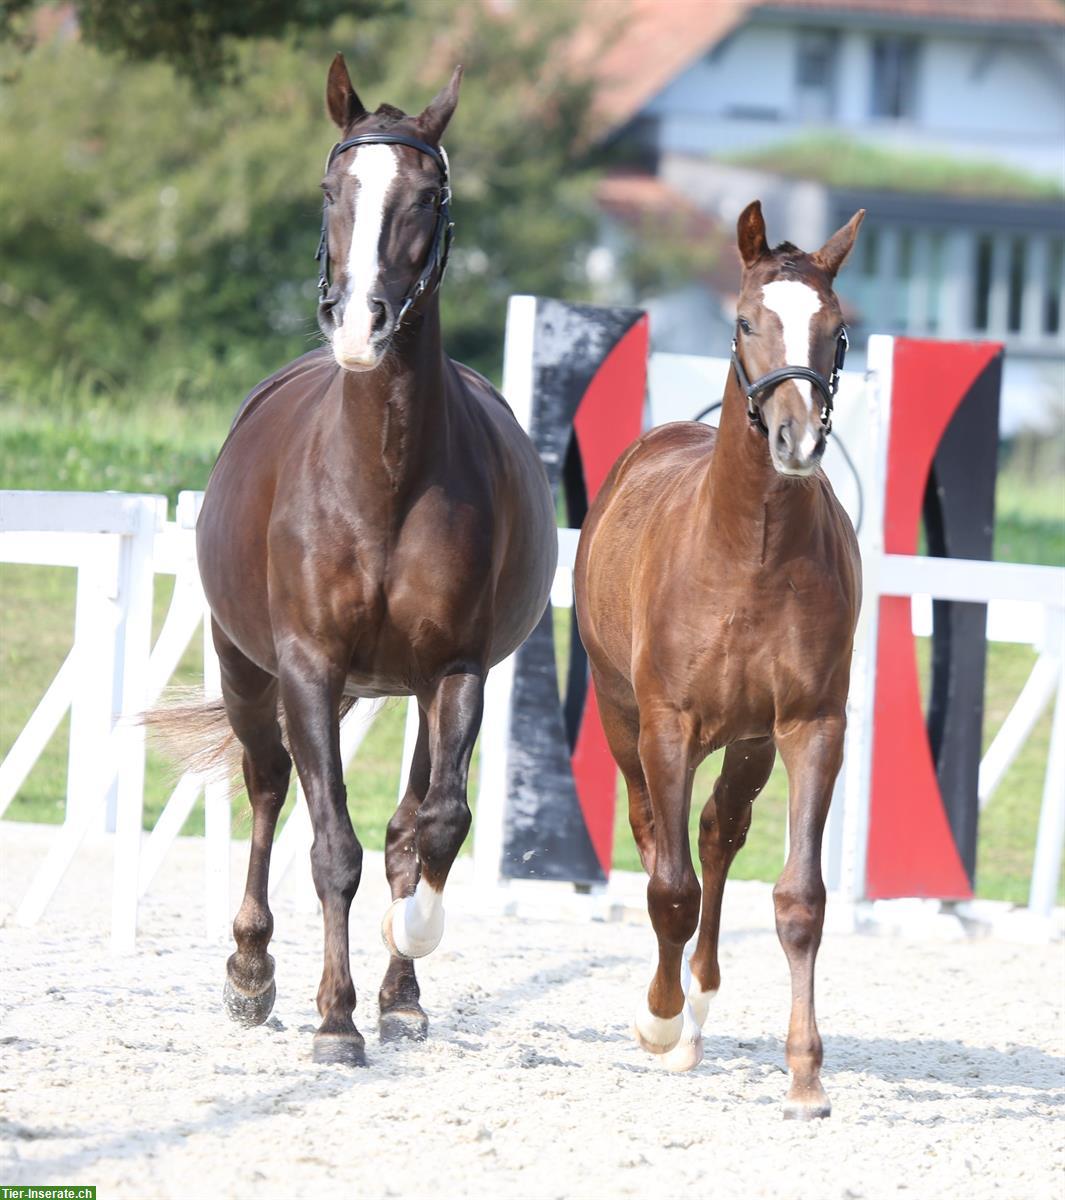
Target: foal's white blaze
{"points": [[796, 304], [417, 921], [375, 167]]}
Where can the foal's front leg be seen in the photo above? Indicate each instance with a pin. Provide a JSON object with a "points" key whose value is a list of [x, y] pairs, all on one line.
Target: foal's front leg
{"points": [[812, 753], [414, 925], [310, 691], [666, 1023]]}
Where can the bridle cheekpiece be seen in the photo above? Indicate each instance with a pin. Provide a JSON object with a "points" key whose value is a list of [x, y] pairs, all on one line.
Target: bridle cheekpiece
{"points": [[827, 387], [440, 247]]}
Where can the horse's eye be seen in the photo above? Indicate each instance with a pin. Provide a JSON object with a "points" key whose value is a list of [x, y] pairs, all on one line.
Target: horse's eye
{"points": [[327, 194], [744, 324]]}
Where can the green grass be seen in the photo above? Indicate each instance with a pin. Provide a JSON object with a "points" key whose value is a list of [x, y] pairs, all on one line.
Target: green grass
{"points": [[842, 163], [171, 447]]}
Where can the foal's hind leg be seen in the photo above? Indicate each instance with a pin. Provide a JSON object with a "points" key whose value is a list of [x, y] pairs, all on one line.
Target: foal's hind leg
{"points": [[812, 753], [414, 925], [621, 724], [311, 688], [399, 1001], [250, 696], [722, 831]]}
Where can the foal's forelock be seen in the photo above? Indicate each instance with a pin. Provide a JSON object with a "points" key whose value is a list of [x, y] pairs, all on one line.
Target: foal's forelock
{"points": [[376, 169]]}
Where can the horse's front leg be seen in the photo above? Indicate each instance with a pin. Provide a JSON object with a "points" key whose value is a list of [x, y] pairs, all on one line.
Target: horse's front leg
{"points": [[414, 925], [311, 687], [399, 1001], [812, 753]]}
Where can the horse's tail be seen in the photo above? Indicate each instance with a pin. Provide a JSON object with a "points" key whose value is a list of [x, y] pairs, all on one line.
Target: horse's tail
{"points": [[196, 735]]}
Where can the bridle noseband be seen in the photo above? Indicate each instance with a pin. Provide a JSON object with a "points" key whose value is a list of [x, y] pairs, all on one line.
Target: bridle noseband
{"points": [[440, 247], [827, 387]]}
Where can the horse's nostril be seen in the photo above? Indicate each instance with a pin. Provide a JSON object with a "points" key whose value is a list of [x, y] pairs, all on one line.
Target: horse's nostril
{"points": [[379, 308], [785, 441]]}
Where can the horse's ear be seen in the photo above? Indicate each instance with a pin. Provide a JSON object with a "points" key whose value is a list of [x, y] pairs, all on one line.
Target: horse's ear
{"points": [[341, 102], [433, 120], [833, 253], [750, 234]]}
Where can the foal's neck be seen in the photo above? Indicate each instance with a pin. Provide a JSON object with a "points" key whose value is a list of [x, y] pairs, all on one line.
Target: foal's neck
{"points": [[755, 514], [396, 415]]}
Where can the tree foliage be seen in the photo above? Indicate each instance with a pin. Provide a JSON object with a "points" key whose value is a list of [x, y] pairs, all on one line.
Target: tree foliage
{"points": [[163, 239], [198, 38]]}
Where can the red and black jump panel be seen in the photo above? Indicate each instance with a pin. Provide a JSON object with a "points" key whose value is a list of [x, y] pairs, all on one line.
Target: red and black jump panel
{"points": [[589, 377], [941, 467]]}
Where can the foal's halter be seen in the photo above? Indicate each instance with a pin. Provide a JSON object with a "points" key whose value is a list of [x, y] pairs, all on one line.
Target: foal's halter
{"points": [[440, 246], [827, 387]]}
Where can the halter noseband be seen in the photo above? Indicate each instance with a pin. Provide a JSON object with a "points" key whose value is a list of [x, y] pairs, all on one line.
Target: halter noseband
{"points": [[827, 387], [440, 247]]}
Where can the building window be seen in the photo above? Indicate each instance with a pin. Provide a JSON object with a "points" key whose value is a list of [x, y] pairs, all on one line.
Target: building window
{"points": [[1015, 294], [894, 77], [1052, 293], [935, 282], [982, 281], [816, 74]]}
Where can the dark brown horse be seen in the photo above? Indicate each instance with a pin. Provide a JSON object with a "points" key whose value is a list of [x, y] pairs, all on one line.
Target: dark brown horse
{"points": [[377, 524], [717, 588]]}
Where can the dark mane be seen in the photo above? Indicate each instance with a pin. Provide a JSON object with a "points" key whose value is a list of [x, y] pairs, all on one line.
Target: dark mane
{"points": [[390, 114], [786, 248]]}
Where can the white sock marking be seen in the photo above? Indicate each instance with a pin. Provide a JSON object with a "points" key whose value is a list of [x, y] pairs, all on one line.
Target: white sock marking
{"points": [[418, 923], [796, 304], [375, 167]]}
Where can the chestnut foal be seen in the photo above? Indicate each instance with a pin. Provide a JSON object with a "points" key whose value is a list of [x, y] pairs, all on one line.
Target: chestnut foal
{"points": [[717, 587]]}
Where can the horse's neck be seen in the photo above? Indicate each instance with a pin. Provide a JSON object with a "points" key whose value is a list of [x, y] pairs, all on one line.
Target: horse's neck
{"points": [[752, 514], [396, 416]]}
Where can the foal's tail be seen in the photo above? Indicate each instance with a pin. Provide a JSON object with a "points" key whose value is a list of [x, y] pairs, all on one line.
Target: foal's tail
{"points": [[196, 736]]}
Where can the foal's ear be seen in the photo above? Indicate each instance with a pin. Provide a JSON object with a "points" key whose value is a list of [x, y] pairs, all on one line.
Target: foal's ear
{"points": [[750, 234], [433, 120], [833, 253], [341, 102]]}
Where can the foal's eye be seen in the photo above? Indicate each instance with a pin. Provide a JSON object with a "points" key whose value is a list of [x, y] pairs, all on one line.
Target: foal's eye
{"points": [[744, 324]]}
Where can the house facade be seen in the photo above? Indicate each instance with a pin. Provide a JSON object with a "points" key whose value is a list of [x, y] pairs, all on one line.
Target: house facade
{"points": [[944, 119]]}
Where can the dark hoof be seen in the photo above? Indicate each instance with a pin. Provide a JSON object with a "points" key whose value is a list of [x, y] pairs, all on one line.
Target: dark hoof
{"points": [[248, 1010], [807, 1110], [403, 1025], [347, 1049]]}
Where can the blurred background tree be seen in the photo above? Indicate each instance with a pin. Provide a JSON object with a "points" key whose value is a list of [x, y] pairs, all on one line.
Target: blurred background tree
{"points": [[158, 219]]}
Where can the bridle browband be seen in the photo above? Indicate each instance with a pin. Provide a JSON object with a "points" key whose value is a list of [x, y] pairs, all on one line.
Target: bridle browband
{"points": [[827, 387], [436, 262]]}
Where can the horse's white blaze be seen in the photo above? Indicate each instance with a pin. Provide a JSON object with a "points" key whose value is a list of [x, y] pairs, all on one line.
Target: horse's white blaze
{"points": [[796, 304], [418, 922], [375, 167]]}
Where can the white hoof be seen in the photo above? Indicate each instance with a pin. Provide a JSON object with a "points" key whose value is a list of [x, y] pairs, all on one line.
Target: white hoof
{"points": [[413, 925], [687, 1054], [700, 1002], [657, 1034]]}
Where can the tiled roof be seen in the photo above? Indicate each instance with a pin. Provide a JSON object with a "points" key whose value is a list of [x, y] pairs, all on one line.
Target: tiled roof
{"points": [[637, 47]]}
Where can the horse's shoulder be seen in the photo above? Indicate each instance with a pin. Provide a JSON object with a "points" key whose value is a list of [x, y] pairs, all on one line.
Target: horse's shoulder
{"points": [[481, 387], [309, 374]]}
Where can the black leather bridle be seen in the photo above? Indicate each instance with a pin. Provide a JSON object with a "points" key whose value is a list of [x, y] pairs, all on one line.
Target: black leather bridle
{"points": [[827, 387], [440, 247]]}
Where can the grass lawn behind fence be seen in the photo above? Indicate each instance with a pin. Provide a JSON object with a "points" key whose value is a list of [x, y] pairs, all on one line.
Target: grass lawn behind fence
{"points": [[170, 448]]}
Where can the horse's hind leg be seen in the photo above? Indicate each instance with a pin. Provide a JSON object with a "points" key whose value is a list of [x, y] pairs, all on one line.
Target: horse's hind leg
{"points": [[665, 1021], [621, 724], [311, 687], [722, 831], [250, 696], [812, 753], [401, 1014], [414, 925]]}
